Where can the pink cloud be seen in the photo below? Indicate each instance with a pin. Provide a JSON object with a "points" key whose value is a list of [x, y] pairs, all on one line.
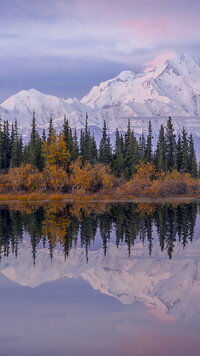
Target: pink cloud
{"points": [[164, 26], [159, 314], [149, 27], [159, 60], [166, 344]]}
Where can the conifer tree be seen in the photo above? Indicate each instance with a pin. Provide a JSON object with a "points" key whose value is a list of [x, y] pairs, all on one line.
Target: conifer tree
{"points": [[105, 150], [160, 159], [149, 152], [131, 152], [170, 145], [5, 146], [1, 146], [93, 151], [44, 138], [142, 147], [34, 148], [192, 161], [50, 130], [118, 159], [178, 154], [88, 149], [75, 150], [185, 153], [71, 140], [16, 147]]}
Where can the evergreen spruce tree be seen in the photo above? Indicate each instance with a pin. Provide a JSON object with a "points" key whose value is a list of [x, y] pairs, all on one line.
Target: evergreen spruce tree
{"points": [[6, 146], [170, 145], [93, 151], [142, 147], [149, 152], [105, 150], [1, 146], [85, 142], [131, 152], [33, 151], [75, 151], [88, 148], [16, 147], [178, 154], [160, 159], [192, 161], [185, 152], [44, 138], [71, 140], [50, 130], [118, 159]]}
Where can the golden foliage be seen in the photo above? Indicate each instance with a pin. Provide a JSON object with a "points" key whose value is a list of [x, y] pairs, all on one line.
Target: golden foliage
{"points": [[23, 178], [55, 226], [54, 178], [91, 178], [146, 209], [145, 171], [55, 151]]}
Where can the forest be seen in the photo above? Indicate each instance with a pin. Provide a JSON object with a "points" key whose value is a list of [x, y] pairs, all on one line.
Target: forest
{"points": [[61, 163], [78, 225]]}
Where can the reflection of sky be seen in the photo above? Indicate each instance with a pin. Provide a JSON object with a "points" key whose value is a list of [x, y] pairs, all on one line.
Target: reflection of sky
{"points": [[64, 47], [68, 317]]}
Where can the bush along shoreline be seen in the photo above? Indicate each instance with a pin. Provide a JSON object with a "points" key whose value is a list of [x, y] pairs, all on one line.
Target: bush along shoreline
{"points": [[60, 163]]}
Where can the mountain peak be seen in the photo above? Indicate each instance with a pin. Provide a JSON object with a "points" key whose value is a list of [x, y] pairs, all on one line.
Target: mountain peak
{"points": [[125, 75], [172, 88]]}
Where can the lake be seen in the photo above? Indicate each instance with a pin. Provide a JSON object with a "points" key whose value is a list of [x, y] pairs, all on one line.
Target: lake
{"points": [[100, 279]]}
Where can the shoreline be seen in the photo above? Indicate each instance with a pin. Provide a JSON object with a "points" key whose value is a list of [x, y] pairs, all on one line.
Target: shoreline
{"points": [[64, 198]]}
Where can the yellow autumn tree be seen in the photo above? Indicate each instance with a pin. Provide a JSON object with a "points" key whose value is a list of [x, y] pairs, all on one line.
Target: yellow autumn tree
{"points": [[146, 171], [81, 175], [55, 151]]}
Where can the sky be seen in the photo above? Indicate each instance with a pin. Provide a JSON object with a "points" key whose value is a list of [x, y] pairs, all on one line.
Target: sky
{"points": [[64, 47]]}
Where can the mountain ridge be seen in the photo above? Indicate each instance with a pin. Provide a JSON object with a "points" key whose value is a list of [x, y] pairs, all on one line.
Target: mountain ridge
{"points": [[172, 88]]}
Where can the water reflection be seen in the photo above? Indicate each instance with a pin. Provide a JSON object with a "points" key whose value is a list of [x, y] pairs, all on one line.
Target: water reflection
{"points": [[71, 225], [123, 279]]}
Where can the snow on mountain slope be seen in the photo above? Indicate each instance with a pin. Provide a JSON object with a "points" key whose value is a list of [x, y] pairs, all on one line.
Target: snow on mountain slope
{"points": [[170, 89], [171, 286], [23, 104]]}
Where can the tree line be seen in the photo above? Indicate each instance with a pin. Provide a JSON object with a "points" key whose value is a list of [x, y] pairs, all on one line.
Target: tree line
{"points": [[78, 225], [170, 153]]}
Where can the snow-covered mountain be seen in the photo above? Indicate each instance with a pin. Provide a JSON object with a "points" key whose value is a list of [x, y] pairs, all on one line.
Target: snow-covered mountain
{"points": [[23, 104], [172, 88], [170, 286]]}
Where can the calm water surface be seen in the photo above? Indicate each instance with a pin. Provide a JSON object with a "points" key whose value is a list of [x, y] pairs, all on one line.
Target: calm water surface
{"points": [[100, 279]]}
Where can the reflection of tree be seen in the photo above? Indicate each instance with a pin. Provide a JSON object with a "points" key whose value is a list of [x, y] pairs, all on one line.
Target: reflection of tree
{"points": [[55, 227], [63, 225], [88, 229], [32, 224], [10, 231], [71, 236], [105, 227]]}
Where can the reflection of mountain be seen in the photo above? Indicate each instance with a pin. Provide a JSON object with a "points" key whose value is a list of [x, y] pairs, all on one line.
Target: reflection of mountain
{"points": [[172, 286]]}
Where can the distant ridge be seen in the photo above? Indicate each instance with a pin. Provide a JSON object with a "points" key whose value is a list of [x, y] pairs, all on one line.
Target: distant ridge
{"points": [[172, 88]]}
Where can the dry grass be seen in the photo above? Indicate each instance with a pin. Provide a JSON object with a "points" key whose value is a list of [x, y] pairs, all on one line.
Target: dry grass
{"points": [[55, 197]]}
